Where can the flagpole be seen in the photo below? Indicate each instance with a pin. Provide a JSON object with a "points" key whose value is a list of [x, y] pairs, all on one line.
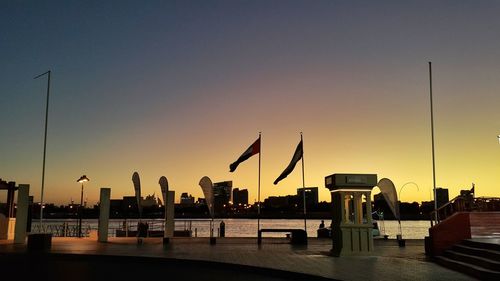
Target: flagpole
{"points": [[432, 136], [303, 183], [258, 192], [44, 148]]}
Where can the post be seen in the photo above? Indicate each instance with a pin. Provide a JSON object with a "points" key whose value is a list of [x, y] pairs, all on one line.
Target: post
{"points": [[432, 136], [303, 184], [80, 214], [21, 214], [44, 146], [170, 223], [258, 195], [104, 204]]}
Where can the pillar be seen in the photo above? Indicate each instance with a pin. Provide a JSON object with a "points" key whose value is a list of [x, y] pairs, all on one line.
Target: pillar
{"points": [[11, 188], [358, 208], [169, 216], [22, 213], [102, 234], [368, 207]]}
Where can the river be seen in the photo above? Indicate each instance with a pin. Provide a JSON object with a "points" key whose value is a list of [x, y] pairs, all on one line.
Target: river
{"points": [[233, 227]]}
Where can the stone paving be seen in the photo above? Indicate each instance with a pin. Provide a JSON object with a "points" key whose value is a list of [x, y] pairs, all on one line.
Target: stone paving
{"points": [[387, 262]]}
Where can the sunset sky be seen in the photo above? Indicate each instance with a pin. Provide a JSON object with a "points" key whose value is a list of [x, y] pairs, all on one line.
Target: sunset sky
{"points": [[181, 88]]}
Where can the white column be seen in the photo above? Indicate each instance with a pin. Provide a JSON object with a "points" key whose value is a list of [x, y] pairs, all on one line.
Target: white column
{"points": [[102, 235], [22, 213], [169, 217]]}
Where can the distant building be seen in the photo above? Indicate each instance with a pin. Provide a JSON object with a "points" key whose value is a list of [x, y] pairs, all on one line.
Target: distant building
{"points": [[441, 196], [276, 202], [115, 206], [426, 207], [281, 202], [129, 203], [240, 196], [186, 200], [201, 201], [222, 195], [150, 201], [311, 194]]}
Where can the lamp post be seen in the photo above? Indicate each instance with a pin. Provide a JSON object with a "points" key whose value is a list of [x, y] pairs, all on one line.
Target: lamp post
{"points": [[44, 145], [81, 180], [432, 138]]}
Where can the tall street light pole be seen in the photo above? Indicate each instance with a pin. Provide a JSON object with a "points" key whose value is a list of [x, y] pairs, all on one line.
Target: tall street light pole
{"points": [[433, 157], [44, 146], [81, 180]]}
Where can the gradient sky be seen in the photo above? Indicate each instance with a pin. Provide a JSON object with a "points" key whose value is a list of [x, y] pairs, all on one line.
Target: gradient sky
{"points": [[181, 88]]}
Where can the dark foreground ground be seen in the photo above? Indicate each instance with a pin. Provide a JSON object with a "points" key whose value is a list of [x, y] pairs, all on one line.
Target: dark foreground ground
{"points": [[230, 259], [102, 267]]}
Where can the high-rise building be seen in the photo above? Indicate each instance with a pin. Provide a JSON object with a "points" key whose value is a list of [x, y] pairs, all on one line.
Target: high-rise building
{"points": [[311, 193], [222, 194], [441, 196], [240, 196]]}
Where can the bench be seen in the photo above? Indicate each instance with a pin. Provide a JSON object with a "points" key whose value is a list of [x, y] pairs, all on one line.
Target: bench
{"points": [[299, 236]]}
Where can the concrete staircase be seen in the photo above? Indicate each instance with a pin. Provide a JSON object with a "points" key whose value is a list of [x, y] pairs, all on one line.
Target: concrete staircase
{"points": [[475, 258]]}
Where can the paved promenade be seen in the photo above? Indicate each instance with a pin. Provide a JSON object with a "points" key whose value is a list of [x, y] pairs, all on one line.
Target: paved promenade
{"points": [[388, 262]]}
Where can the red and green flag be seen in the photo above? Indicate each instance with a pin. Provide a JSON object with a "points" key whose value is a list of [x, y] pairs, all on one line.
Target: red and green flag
{"points": [[252, 150]]}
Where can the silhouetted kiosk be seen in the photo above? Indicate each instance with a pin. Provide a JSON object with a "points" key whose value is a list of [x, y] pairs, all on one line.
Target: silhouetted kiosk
{"points": [[81, 180]]}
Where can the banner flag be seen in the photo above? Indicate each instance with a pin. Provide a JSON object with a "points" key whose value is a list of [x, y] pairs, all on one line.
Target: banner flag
{"points": [[252, 150], [388, 190], [137, 187], [164, 189], [208, 191], [296, 157]]}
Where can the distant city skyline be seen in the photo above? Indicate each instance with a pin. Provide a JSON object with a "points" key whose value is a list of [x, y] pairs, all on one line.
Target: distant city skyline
{"points": [[181, 88]]}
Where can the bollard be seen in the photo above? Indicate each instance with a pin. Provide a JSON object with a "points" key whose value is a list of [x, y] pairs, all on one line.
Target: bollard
{"points": [[222, 232], [195, 232], [401, 241]]}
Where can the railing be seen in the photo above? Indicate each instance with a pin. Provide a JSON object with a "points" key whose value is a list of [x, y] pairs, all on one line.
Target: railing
{"points": [[159, 225], [465, 203], [70, 229], [62, 229]]}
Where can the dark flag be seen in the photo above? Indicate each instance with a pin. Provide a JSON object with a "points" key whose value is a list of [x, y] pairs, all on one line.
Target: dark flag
{"points": [[252, 150], [296, 157]]}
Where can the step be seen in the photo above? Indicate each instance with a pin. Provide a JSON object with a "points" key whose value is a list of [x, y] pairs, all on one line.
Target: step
{"points": [[482, 245], [473, 259], [480, 252], [472, 270]]}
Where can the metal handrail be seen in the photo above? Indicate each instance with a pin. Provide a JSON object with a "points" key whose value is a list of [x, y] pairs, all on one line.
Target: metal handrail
{"points": [[465, 203]]}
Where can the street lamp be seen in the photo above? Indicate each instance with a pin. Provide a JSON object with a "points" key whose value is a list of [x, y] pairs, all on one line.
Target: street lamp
{"points": [[44, 145], [81, 180]]}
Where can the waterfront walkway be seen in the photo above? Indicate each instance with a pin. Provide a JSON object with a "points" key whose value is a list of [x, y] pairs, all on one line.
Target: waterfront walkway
{"points": [[239, 258]]}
